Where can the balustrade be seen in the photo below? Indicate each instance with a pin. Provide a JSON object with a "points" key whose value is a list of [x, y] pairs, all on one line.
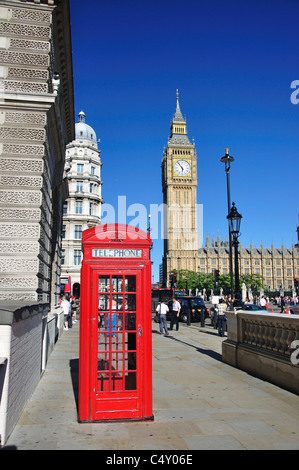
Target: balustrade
{"points": [[270, 332]]}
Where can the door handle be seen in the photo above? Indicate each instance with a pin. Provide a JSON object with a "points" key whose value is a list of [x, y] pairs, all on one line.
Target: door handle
{"points": [[140, 331]]}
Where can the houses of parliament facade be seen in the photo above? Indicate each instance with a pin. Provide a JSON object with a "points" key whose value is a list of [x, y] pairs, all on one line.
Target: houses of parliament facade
{"points": [[278, 266]]}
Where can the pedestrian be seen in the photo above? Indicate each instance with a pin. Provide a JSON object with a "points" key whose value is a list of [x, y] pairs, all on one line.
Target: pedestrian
{"points": [[66, 308], [175, 314], [221, 317], [74, 309], [263, 302], [282, 304], [162, 309]]}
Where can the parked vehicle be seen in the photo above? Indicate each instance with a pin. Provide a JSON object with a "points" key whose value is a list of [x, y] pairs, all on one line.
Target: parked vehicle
{"points": [[251, 308], [192, 307]]}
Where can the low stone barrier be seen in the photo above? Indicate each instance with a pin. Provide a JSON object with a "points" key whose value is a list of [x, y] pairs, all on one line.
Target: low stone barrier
{"points": [[264, 345], [28, 333]]}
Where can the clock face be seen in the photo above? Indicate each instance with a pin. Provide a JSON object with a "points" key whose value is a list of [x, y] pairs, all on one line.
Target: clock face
{"points": [[182, 168]]}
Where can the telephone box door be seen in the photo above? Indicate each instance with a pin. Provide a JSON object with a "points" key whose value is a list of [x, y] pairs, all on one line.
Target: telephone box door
{"points": [[117, 344]]}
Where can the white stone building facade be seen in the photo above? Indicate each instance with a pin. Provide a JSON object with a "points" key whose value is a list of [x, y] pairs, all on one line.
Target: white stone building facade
{"points": [[82, 209]]}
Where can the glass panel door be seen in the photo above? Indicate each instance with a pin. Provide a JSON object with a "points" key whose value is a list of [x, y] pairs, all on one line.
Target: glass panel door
{"points": [[117, 358]]}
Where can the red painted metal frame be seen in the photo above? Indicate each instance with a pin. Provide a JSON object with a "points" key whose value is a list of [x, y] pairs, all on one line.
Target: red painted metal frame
{"points": [[117, 404]]}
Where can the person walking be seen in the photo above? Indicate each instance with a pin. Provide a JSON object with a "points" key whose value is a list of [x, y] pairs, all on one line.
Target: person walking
{"points": [[175, 313], [282, 304], [221, 318], [66, 308], [162, 309]]}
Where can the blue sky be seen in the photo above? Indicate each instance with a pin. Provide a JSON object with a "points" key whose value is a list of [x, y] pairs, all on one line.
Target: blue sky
{"points": [[233, 63]]}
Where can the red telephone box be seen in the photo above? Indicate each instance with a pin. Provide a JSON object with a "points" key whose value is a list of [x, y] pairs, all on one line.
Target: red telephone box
{"points": [[115, 364]]}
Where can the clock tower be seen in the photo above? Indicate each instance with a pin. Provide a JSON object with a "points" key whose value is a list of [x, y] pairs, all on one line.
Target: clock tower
{"points": [[179, 186]]}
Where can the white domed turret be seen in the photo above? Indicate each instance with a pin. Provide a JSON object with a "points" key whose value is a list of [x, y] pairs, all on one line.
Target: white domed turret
{"points": [[83, 130]]}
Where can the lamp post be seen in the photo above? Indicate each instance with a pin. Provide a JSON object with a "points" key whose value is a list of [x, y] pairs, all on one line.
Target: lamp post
{"points": [[234, 219], [227, 160]]}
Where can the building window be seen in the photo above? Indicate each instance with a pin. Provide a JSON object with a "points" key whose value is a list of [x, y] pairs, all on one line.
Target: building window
{"points": [[80, 168], [64, 208], [92, 170], [79, 205], [80, 186], [77, 257], [246, 271], [78, 232], [278, 272], [90, 208], [63, 232], [91, 188], [62, 257]]}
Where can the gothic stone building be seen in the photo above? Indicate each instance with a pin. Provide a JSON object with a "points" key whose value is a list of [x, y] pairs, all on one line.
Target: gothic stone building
{"points": [[36, 123], [278, 266]]}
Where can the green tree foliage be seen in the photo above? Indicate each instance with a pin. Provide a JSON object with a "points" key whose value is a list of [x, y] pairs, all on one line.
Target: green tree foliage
{"points": [[206, 281], [255, 281]]}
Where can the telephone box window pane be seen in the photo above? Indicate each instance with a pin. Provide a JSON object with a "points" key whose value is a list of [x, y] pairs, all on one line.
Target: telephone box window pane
{"points": [[117, 342], [131, 365], [104, 302], [117, 302], [117, 361], [130, 381], [130, 302], [104, 283], [117, 284], [130, 323], [130, 284]]}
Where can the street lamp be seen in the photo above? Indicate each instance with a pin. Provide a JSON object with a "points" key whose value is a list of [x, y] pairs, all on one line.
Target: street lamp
{"points": [[234, 220], [227, 160]]}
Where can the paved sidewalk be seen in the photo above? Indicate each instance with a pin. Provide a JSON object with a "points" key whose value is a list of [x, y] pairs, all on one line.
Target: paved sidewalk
{"points": [[198, 401]]}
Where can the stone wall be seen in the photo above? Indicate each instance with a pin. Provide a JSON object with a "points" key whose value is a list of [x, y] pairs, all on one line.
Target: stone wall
{"points": [[262, 344], [36, 123]]}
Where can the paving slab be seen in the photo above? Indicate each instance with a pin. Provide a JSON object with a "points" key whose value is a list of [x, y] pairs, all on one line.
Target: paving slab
{"points": [[199, 403]]}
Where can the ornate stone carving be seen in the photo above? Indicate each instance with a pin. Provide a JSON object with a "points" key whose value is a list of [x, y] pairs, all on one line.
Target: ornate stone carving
{"points": [[29, 181], [15, 72], [24, 30], [11, 57], [19, 214], [19, 149], [9, 265], [19, 231], [17, 133], [21, 165], [18, 247], [31, 15], [25, 87], [25, 44], [20, 197]]}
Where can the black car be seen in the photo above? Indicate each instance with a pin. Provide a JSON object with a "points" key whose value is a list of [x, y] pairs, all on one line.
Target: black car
{"points": [[192, 306]]}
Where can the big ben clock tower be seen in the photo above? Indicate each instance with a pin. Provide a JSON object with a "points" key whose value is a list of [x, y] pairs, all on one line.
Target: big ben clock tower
{"points": [[179, 186]]}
